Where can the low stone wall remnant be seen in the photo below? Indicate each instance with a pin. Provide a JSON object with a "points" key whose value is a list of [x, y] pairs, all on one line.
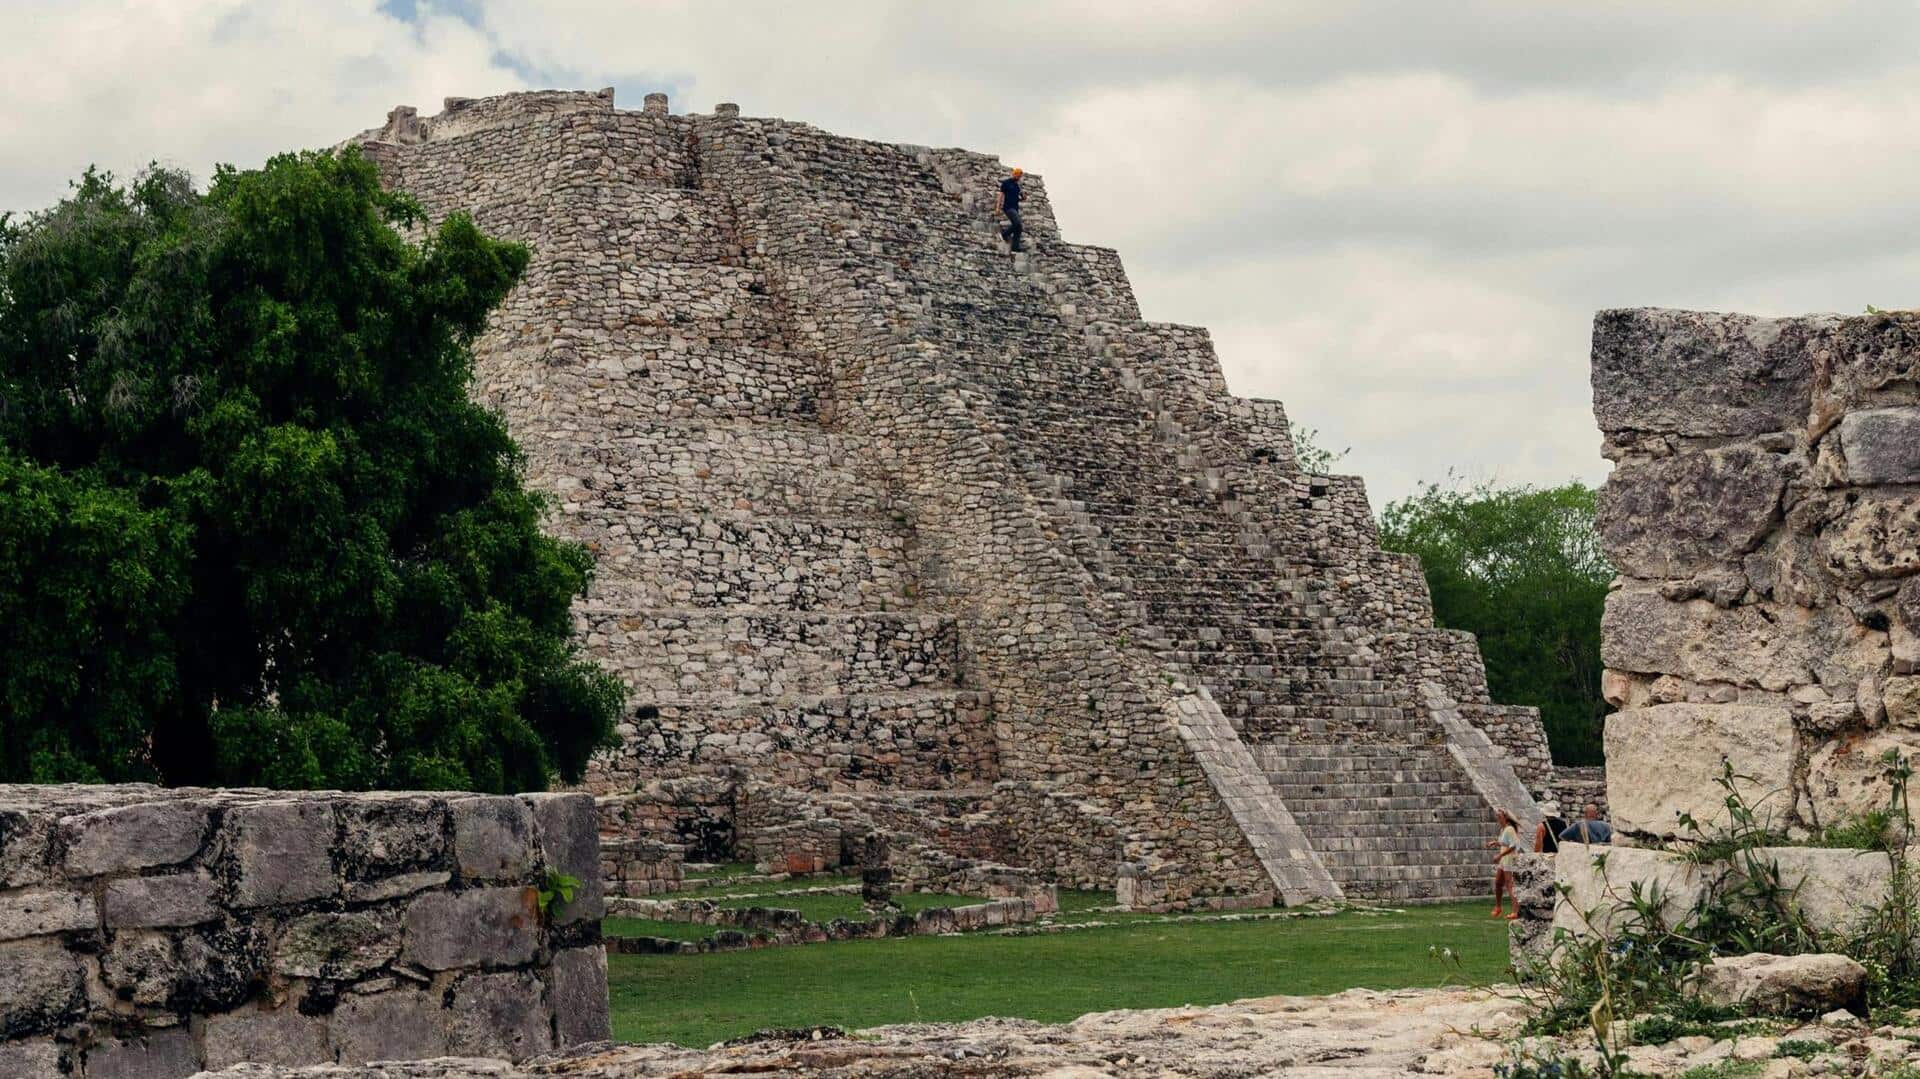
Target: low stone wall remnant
{"points": [[149, 932]]}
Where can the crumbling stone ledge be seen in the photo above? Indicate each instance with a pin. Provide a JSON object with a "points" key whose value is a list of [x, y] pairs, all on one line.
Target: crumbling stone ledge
{"points": [[150, 932], [761, 927]]}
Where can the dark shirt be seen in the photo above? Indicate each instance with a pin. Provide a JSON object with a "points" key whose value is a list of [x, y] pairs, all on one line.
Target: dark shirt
{"points": [[1588, 831], [1550, 842], [1010, 194]]}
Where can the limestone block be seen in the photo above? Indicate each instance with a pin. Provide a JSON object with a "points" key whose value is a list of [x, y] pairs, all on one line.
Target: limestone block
{"points": [[1594, 881], [1908, 605], [337, 945], [1872, 360], [389, 835], [1846, 777], [142, 967], [1681, 515], [179, 899], [26, 847], [493, 838], [133, 837], [568, 830], [1785, 984], [578, 989], [1882, 445], [399, 1024], [280, 1036], [159, 1054], [1901, 698], [41, 989], [1879, 536], [33, 1058], [496, 926], [281, 852], [1702, 373], [503, 1015], [1774, 646], [1665, 759], [1835, 889], [32, 912]]}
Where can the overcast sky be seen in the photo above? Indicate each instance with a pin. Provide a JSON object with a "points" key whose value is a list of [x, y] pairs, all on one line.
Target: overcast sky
{"points": [[1398, 218]]}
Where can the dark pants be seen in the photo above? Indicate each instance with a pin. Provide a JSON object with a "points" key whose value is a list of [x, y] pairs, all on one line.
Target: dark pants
{"points": [[1011, 233]]}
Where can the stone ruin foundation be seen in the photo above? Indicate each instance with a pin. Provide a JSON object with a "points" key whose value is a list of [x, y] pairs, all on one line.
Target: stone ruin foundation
{"points": [[1764, 514], [149, 933], [898, 532]]}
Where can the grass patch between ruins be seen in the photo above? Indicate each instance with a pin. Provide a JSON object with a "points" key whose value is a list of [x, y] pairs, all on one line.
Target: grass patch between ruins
{"points": [[1155, 963]]}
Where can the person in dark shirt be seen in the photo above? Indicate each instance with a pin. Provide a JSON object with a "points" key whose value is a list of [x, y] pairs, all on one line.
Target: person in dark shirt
{"points": [[1546, 834], [1008, 203]]}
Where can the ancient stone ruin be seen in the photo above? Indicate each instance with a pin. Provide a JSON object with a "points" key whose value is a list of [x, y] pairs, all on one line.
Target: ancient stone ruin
{"points": [[150, 933], [1764, 637], [900, 533], [1764, 514]]}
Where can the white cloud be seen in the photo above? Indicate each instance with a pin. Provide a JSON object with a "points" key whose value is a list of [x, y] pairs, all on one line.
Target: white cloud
{"points": [[1396, 217]]}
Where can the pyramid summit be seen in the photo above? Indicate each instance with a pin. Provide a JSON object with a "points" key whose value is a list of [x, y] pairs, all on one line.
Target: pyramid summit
{"points": [[900, 532]]}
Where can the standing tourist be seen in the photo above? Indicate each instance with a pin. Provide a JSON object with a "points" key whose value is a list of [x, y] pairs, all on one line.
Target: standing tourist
{"points": [[1508, 843], [1589, 828], [1008, 203]]}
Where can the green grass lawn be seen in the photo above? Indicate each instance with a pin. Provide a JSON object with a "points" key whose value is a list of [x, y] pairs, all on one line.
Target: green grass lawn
{"points": [[701, 999]]}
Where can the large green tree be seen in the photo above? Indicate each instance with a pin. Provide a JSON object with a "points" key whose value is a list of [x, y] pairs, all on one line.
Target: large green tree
{"points": [[1521, 567], [252, 529]]}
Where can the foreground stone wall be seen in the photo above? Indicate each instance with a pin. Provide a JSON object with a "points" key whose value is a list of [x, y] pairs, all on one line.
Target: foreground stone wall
{"points": [[150, 933], [1764, 514]]}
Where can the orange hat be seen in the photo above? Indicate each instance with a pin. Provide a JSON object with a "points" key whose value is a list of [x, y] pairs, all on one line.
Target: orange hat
{"points": [[1019, 172]]}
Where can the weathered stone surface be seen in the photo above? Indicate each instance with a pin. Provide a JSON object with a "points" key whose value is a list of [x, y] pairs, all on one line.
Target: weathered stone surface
{"points": [[1882, 445], [177, 899], [1774, 647], [280, 1036], [1786, 984], [160, 1054], [1900, 697], [399, 1024], [32, 912], [1676, 516], [1878, 537], [445, 930], [1847, 777], [1873, 360], [578, 993], [1702, 373], [282, 852], [41, 989], [133, 837], [1666, 759], [567, 828], [493, 838], [1591, 880], [26, 846], [337, 945], [142, 967], [1362, 1033], [502, 1015], [1836, 890], [393, 835], [32, 1058]]}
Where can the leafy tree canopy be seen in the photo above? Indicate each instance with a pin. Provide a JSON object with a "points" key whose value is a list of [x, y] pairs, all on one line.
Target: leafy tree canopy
{"points": [[252, 529], [1521, 568]]}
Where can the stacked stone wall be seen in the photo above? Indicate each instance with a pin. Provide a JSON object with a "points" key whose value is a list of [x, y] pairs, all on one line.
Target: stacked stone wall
{"points": [[1764, 513], [151, 933]]}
